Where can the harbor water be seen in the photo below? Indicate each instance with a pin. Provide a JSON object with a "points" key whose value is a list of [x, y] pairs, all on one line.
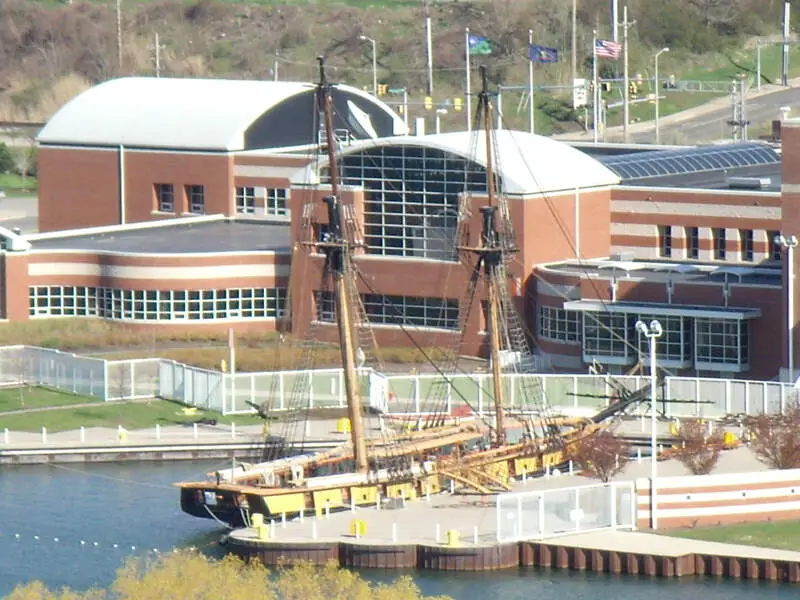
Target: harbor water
{"points": [[74, 525]]}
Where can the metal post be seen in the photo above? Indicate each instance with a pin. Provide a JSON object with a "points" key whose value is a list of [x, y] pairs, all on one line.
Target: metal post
{"points": [[790, 243], [119, 33], [428, 44], [758, 65], [657, 86], [365, 38], [787, 7], [652, 333], [595, 90], [626, 115], [531, 107]]}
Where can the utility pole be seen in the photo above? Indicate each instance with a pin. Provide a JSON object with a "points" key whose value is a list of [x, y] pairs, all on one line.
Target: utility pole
{"points": [[615, 20], [426, 9], [626, 116], [275, 65], [119, 34], [739, 121], [787, 7], [575, 43], [156, 47]]}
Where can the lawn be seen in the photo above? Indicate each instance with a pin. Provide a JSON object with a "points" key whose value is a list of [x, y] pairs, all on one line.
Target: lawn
{"points": [[138, 415], [784, 535], [14, 185], [35, 397]]}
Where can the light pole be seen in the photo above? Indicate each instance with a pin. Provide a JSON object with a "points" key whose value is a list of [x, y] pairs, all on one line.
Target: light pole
{"points": [[439, 113], [659, 53], [790, 243], [364, 38], [652, 333]]}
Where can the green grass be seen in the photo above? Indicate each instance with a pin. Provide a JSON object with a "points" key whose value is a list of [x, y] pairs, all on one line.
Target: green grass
{"points": [[784, 535], [14, 185], [35, 397], [132, 416]]}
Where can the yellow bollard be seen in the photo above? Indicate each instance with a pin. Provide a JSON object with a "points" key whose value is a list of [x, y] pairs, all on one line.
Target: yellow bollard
{"points": [[256, 520], [343, 425], [358, 527], [728, 439], [453, 538]]}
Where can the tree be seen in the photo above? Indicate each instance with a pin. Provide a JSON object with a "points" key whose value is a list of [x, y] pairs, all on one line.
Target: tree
{"points": [[190, 574], [776, 438], [699, 451], [7, 163], [600, 454]]}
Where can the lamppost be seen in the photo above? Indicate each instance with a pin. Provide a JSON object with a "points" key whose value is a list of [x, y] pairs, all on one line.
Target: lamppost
{"points": [[790, 243], [652, 333], [439, 113], [659, 53], [364, 38]]}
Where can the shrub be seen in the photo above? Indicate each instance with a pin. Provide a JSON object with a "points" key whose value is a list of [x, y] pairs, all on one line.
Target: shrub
{"points": [[602, 454], [776, 438], [699, 452], [7, 163]]}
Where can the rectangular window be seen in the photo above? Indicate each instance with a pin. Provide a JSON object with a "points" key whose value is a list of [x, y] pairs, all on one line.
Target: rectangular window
{"points": [[718, 234], [605, 337], [413, 311], [692, 242], [773, 241], [558, 324], [276, 201], [675, 344], [665, 241], [245, 200], [746, 241], [720, 343], [196, 197], [325, 305], [165, 197]]}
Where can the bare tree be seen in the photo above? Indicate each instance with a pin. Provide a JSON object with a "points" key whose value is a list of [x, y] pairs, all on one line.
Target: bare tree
{"points": [[602, 455], [699, 450], [775, 439]]}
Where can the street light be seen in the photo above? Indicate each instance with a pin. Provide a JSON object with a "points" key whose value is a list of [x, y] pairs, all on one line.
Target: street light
{"points": [[790, 243], [364, 38], [652, 333], [659, 53]]}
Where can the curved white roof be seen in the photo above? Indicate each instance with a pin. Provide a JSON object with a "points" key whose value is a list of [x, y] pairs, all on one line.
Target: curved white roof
{"points": [[205, 114], [528, 164]]}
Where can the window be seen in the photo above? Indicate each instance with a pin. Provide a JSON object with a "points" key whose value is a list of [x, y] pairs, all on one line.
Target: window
{"points": [[558, 324], [604, 337], [692, 242], [196, 196], [665, 241], [156, 305], [245, 200], [326, 306], [165, 197], [746, 241], [718, 234], [411, 198], [276, 201], [674, 347], [720, 343], [774, 246], [410, 311]]}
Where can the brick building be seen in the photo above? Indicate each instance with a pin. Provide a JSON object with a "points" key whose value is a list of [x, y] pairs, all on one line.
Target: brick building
{"points": [[178, 203]]}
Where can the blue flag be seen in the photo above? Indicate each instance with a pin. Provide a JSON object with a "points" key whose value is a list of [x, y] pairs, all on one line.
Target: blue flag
{"points": [[542, 54], [479, 45]]}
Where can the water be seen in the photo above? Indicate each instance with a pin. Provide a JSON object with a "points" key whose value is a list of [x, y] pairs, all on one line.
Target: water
{"points": [[135, 507]]}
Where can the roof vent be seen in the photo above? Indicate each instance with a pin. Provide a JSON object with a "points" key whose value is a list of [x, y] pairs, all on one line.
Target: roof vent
{"points": [[748, 183], [627, 256]]}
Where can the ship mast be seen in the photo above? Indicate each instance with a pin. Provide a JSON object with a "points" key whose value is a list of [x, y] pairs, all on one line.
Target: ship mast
{"points": [[337, 248], [490, 254]]}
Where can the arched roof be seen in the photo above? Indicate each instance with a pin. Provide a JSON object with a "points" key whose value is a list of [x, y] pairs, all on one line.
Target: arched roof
{"points": [[209, 114], [526, 163]]}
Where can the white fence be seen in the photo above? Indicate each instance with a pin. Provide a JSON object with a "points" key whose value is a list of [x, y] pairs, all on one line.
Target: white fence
{"points": [[110, 380], [686, 397], [541, 514]]}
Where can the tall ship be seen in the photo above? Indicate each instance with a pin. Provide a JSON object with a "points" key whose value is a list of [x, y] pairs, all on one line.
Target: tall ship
{"points": [[435, 451]]}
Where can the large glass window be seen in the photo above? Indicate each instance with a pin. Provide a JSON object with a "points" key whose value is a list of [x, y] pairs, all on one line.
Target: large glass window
{"points": [[718, 235], [558, 324], [412, 311], [746, 241], [605, 336], [276, 201], [721, 343], [412, 198], [156, 305], [675, 344]]}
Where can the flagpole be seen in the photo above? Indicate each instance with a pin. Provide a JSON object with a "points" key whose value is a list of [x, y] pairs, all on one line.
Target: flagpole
{"points": [[469, 88], [428, 44], [595, 89], [530, 81]]}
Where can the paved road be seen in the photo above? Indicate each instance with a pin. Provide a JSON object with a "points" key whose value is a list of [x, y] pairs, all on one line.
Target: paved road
{"points": [[706, 123], [20, 211]]}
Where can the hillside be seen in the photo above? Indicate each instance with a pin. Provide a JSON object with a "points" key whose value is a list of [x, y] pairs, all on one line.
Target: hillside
{"points": [[50, 50]]}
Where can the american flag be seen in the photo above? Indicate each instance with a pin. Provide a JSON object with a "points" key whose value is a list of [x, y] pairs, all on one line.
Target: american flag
{"points": [[607, 49]]}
